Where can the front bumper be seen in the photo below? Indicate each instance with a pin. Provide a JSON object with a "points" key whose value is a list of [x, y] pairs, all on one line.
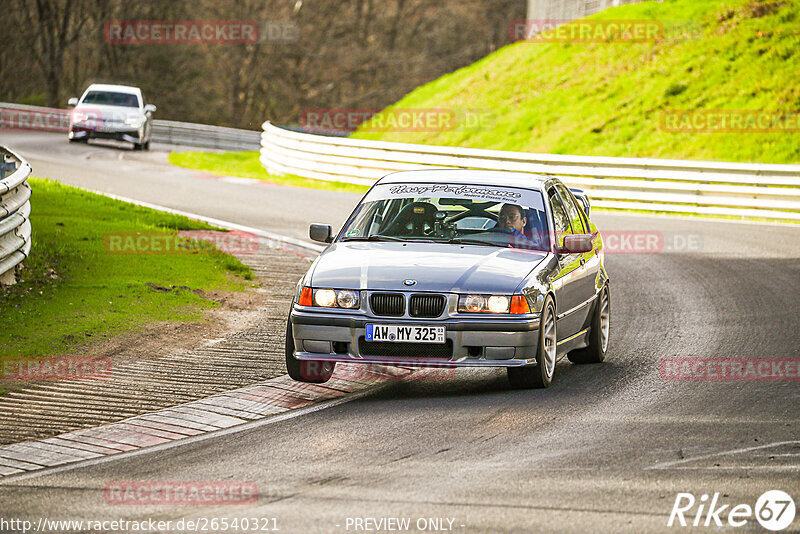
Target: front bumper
{"points": [[130, 135], [476, 342]]}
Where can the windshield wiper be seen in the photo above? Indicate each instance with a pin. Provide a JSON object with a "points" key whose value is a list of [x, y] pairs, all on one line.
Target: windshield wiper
{"points": [[472, 241], [374, 237]]}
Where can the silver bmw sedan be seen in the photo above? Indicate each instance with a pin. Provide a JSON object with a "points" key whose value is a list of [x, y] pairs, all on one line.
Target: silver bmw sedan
{"points": [[455, 268]]}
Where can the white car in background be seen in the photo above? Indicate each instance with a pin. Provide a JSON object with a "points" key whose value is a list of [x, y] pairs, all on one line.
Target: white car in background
{"points": [[116, 112]]}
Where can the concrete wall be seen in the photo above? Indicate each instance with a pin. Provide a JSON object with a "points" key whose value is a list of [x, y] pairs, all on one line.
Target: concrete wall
{"points": [[569, 9]]}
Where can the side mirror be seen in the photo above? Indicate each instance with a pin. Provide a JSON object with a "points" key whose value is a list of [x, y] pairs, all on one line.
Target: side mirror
{"points": [[323, 233], [72, 102], [150, 108], [577, 244]]}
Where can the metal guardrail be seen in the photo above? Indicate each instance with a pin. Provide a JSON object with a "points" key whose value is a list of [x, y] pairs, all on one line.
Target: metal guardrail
{"points": [[15, 211], [205, 136], [20, 116], [745, 190]]}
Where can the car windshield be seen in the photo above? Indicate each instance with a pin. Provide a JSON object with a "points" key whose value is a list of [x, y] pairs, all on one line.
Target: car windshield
{"points": [[451, 213], [108, 98]]}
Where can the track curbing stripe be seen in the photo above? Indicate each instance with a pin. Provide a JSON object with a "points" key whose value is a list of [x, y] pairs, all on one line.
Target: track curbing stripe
{"points": [[272, 400]]}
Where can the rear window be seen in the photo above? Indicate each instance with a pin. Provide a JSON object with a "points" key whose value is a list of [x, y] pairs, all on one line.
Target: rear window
{"points": [[109, 98]]}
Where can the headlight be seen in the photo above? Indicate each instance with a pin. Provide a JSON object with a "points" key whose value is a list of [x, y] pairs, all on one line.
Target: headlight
{"points": [[329, 298], [134, 121], [517, 305], [497, 304], [325, 297], [79, 117], [347, 299], [472, 303]]}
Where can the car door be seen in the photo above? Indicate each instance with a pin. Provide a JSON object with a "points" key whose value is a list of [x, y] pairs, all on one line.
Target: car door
{"points": [[589, 262], [566, 283]]}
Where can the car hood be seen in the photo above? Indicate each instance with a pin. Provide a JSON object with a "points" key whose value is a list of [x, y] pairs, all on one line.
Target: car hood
{"points": [[435, 267]]}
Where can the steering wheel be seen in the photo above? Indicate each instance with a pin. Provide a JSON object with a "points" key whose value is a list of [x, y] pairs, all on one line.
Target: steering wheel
{"points": [[415, 219]]}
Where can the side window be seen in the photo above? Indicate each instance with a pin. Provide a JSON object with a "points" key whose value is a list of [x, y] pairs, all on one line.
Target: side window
{"points": [[573, 210], [560, 218]]}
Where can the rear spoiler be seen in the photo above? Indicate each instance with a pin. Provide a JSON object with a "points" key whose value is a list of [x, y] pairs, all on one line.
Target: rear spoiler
{"points": [[583, 199]]}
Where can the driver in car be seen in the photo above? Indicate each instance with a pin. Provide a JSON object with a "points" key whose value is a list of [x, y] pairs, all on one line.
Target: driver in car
{"points": [[512, 218]]}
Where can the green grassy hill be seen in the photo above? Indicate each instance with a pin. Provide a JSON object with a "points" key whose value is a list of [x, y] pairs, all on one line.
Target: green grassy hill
{"points": [[609, 98]]}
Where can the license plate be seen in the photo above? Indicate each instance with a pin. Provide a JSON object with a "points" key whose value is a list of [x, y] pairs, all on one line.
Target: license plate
{"points": [[405, 334]]}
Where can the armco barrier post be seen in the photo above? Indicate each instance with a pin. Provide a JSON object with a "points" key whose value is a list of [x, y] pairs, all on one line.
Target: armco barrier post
{"points": [[15, 210]]}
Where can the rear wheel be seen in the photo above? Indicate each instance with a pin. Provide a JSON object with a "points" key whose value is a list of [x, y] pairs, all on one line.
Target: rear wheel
{"points": [[313, 371], [598, 336], [541, 374]]}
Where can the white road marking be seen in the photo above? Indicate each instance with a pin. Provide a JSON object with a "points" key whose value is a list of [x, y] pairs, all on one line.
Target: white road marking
{"points": [[239, 180], [673, 463]]}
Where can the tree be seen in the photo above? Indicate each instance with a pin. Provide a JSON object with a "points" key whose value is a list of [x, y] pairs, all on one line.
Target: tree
{"points": [[54, 25]]}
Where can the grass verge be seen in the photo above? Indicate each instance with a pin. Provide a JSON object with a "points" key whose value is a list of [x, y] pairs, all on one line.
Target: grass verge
{"points": [[73, 292], [247, 165]]}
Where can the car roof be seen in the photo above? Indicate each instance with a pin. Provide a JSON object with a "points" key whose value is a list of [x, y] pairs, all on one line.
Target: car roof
{"points": [[468, 176], [117, 88]]}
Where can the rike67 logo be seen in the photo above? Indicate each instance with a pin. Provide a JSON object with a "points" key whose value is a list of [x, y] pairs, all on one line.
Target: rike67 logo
{"points": [[774, 510]]}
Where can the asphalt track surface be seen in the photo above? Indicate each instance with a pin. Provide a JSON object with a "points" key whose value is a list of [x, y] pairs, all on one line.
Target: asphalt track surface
{"points": [[606, 448]]}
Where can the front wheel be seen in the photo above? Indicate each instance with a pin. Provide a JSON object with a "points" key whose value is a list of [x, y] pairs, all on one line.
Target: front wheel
{"points": [[312, 371], [598, 336], [541, 374]]}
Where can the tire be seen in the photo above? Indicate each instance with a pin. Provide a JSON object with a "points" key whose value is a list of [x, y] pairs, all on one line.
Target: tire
{"points": [[599, 333], [311, 371], [541, 374], [137, 146], [146, 146]]}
